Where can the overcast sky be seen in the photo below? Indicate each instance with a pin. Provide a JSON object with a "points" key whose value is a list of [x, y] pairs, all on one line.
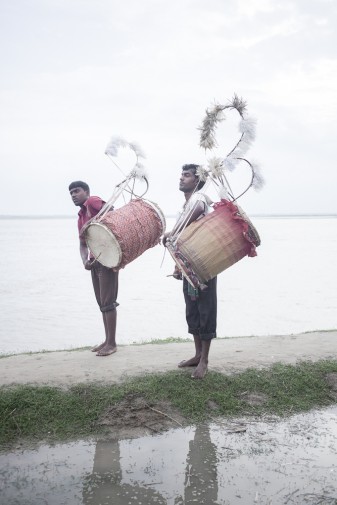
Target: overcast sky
{"points": [[76, 72]]}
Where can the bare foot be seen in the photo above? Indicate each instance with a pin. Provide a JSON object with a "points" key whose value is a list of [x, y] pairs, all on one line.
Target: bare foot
{"points": [[98, 347], [200, 371], [106, 350], [189, 362]]}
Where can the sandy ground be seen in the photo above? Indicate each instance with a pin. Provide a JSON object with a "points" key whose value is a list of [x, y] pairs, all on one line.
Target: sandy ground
{"points": [[65, 368]]}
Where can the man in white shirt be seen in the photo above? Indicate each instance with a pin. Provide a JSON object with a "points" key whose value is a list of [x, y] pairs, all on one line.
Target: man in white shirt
{"points": [[201, 305]]}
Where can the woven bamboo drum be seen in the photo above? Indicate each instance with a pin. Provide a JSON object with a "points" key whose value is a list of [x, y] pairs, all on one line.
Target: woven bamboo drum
{"points": [[122, 235], [217, 241]]}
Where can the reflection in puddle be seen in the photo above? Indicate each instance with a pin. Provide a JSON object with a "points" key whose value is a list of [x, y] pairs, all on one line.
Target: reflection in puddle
{"points": [[232, 462]]}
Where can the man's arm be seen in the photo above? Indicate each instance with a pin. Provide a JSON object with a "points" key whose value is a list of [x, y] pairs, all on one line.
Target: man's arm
{"points": [[94, 204], [84, 252]]}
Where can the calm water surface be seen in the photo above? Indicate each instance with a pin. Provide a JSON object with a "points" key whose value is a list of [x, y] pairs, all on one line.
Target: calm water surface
{"points": [[48, 301], [244, 462]]}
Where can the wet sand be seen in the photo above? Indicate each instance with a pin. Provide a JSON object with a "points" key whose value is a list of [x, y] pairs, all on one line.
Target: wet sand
{"points": [[65, 368]]}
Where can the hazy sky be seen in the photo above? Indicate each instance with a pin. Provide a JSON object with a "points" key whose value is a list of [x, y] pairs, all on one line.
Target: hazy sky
{"points": [[76, 72]]}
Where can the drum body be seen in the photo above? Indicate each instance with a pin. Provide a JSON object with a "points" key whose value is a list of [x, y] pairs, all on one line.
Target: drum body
{"points": [[120, 236], [213, 243]]}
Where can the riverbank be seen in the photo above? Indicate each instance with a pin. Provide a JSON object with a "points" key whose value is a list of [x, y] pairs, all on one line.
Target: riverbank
{"points": [[67, 368]]}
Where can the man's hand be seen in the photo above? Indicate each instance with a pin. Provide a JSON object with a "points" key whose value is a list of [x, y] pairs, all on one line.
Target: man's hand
{"points": [[165, 237], [88, 264], [177, 273]]}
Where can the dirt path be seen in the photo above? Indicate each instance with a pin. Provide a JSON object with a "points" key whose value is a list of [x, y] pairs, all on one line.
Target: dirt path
{"points": [[64, 368]]}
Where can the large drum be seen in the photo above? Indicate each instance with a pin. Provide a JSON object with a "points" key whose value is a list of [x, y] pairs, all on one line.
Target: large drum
{"points": [[213, 243], [120, 236]]}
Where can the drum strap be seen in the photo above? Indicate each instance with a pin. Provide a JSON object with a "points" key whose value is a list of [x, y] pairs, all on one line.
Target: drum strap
{"points": [[107, 308]]}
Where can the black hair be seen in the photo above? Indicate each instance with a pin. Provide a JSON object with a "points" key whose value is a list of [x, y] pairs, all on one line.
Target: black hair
{"points": [[79, 184], [193, 168]]}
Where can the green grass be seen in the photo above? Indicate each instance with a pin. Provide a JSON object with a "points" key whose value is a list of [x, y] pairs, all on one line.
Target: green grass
{"points": [[40, 413]]}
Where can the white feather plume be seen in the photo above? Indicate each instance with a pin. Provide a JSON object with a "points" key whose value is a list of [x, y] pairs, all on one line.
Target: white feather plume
{"points": [[139, 171], [258, 180], [229, 163], [202, 173], [215, 167], [247, 126], [117, 142], [137, 150], [114, 144]]}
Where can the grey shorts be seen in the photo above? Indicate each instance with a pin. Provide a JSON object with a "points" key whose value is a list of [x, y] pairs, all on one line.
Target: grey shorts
{"points": [[201, 314], [105, 283]]}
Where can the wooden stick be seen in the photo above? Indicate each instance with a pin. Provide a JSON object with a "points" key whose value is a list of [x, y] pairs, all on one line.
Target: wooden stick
{"points": [[166, 415]]}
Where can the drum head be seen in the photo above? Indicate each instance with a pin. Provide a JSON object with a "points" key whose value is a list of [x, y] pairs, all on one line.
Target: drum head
{"points": [[103, 245]]}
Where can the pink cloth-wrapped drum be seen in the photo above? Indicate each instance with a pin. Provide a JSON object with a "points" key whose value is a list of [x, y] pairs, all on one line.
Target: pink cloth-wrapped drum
{"points": [[120, 236], [213, 243]]}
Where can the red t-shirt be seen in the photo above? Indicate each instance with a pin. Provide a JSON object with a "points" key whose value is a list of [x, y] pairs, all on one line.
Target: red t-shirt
{"points": [[90, 208]]}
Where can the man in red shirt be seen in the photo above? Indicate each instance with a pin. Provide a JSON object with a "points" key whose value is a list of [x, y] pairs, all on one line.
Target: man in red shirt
{"points": [[104, 280]]}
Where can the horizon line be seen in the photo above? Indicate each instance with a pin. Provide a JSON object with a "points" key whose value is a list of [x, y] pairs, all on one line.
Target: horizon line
{"points": [[69, 216]]}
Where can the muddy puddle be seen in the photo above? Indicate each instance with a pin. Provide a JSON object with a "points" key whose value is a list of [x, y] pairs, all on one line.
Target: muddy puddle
{"points": [[246, 461]]}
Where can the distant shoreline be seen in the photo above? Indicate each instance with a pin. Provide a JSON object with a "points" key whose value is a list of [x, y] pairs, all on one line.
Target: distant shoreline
{"points": [[264, 216]]}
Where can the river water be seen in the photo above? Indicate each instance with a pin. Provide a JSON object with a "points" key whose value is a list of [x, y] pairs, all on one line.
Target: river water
{"points": [[48, 301]]}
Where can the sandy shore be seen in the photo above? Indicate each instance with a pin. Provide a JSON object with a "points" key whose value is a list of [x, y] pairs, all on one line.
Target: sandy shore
{"points": [[65, 368]]}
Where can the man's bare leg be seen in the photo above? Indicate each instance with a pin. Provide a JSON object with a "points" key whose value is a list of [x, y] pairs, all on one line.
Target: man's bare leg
{"points": [[100, 346], [202, 367], [109, 346], [195, 360]]}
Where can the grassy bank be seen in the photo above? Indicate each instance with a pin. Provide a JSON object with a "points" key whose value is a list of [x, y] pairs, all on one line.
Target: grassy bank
{"points": [[48, 413]]}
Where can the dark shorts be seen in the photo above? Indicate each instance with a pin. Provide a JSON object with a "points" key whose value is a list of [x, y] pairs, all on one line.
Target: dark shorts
{"points": [[201, 313], [105, 283]]}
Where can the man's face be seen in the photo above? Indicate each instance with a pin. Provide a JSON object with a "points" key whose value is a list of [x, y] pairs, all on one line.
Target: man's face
{"points": [[188, 181], [79, 196]]}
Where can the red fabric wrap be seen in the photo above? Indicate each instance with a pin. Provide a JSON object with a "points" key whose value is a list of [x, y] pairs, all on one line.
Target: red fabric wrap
{"points": [[237, 216]]}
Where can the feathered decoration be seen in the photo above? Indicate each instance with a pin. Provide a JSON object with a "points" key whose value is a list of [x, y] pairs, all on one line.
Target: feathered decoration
{"points": [[114, 144], [202, 173], [247, 126], [258, 180], [213, 116], [239, 104], [137, 150], [216, 166], [229, 163], [139, 171], [117, 142]]}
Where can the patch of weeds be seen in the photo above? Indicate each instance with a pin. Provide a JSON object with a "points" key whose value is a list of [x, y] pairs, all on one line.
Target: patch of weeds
{"points": [[28, 412]]}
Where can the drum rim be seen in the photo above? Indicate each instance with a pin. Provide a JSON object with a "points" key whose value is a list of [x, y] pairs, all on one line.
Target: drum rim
{"points": [[156, 207], [120, 253]]}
